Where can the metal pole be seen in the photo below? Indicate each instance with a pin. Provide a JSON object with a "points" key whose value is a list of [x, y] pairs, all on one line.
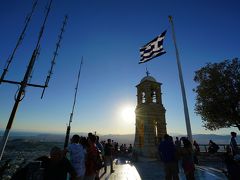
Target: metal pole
{"points": [[19, 97], [55, 54], [187, 119], [73, 107], [23, 86], [18, 42]]}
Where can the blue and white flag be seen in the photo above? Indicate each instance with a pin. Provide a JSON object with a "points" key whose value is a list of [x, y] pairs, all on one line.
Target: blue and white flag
{"points": [[152, 49]]}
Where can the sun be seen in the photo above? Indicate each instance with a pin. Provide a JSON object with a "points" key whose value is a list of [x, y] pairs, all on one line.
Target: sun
{"points": [[128, 113]]}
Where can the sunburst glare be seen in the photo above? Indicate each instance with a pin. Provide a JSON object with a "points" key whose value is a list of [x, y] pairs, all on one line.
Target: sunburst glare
{"points": [[128, 113]]}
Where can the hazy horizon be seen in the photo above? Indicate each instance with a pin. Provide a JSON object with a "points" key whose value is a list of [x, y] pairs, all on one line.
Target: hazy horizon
{"points": [[75, 132], [120, 138]]}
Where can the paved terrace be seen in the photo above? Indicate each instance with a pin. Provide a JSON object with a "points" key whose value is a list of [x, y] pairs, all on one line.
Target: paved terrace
{"points": [[148, 169]]}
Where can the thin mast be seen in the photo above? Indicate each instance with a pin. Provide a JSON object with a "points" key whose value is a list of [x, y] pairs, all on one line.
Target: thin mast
{"points": [[20, 39], [73, 107], [187, 119], [53, 62], [23, 86]]}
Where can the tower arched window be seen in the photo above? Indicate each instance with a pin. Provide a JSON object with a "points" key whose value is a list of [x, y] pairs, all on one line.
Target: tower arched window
{"points": [[154, 96], [156, 132], [143, 97]]}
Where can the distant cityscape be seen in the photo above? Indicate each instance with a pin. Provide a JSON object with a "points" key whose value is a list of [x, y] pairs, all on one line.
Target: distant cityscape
{"points": [[124, 139]]}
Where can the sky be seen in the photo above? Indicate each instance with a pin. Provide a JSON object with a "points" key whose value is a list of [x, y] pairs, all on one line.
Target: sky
{"points": [[108, 35]]}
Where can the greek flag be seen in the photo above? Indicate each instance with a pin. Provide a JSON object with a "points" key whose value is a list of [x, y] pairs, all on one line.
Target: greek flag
{"points": [[152, 49]]}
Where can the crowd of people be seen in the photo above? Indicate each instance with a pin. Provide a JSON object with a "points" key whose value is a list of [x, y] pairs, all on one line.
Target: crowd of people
{"points": [[184, 153], [87, 156], [171, 152], [81, 160]]}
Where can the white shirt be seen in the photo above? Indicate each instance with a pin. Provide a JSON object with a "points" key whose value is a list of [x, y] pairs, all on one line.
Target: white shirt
{"points": [[77, 158]]}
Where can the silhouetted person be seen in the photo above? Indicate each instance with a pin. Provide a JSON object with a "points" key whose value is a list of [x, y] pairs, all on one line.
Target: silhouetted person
{"points": [[233, 144], [233, 167], [84, 142], [187, 159], [196, 147], [91, 158], [77, 156], [177, 143], [57, 166], [196, 152], [213, 147], [130, 148], [116, 149], [101, 155], [108, 150], [167, 152]]}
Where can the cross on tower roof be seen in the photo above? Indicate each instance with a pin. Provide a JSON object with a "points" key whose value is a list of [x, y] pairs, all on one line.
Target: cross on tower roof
{"points": [[147, 72]]}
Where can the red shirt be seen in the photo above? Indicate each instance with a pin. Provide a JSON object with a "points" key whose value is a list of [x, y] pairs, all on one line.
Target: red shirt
{"points": [[91, 160]]}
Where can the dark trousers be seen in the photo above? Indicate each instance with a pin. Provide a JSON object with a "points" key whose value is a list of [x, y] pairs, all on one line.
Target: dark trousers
{"points": [[108, 159]]}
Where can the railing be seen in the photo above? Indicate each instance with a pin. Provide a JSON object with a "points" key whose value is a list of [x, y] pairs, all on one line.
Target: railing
{"points": [[222, 147]]}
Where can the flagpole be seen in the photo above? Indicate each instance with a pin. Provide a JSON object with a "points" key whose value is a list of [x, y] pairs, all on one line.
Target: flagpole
{"points": [[187, 119]]}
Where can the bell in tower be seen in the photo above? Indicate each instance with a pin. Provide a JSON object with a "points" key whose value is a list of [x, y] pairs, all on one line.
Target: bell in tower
{"points": [[150, 117]]}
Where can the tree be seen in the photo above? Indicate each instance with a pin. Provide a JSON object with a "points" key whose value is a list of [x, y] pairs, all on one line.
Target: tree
{"points": [[218, 94]]}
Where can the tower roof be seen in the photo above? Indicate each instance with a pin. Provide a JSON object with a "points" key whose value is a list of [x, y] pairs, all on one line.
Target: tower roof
{"points": [[148, 78]]}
